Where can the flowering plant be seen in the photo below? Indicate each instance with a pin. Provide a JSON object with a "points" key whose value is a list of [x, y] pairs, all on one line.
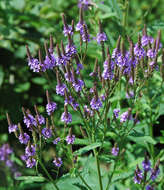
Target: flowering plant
{"points": [[102, 119]]}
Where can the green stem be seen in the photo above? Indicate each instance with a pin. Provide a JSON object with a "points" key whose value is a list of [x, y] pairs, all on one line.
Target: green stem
{"points": [[48, 175], [98, 169], [125, 14], [83, 180]]}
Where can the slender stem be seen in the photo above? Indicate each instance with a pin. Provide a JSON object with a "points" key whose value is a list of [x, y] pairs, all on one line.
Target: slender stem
{"points": [[83, 180], [103, 50], [48, 175], [98, 169]]}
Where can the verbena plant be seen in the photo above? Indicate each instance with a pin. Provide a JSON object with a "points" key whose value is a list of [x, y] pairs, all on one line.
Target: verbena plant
{"points": [[104, 137]]}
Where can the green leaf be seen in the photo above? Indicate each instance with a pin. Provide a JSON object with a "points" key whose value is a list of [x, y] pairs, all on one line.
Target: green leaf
{"points": [[1, 76], [81, 141], [22, 87], [39, 80], [87, 148], [31, 179], [140, 138]]}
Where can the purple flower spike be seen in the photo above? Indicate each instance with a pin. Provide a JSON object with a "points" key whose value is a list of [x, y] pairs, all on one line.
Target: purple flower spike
{"points": [[84, 4], [116, 112], [51, 107], [151, 54], [115, 151], [70, 139], [30, 162], [66, 117], [95, 103], [5, 151], [139, 51], [58, 162], [60, 88], [70, 50], [12, 128], [34, 65], [56, 140], [101, 37], [154, 174], [49, 62], [138, 176], [124, 117], [29, 120], [149, 187], [47, 133], [67, 30], [78, 85], [30, 150], [41, 119], [24, 138], [146, 165]]}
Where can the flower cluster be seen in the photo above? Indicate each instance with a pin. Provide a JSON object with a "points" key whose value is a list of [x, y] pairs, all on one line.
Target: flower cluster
{"points": [[5, 153], [150, 173]]}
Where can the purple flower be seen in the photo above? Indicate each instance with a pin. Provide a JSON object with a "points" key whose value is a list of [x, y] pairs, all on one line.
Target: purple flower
{"points": [[151, 54], [70, 139], [101, 37], [47, 133], [9, 163], [145, 40], [56, 140], [102, 97], [149, 187], [34, 65], [24, 138], [154, 173], [49, 62], [95, 103], [30, 162], [17, 174], [29, 120], [30, 150], [51, 107], [60, 88], [61, 60], [78, 84], [72, 102], [130, 95], [138, 176], [115, 151], [66, 117], [58, 162], [41, 119], [83, 32], [87, 110], [84, 4], [107, 74], [24, 157], [146, 165], [139, 51], [116, 112], [79, 67], [124, 116], [67, 30], [12, 128], [5, 151], [70, 50]]}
